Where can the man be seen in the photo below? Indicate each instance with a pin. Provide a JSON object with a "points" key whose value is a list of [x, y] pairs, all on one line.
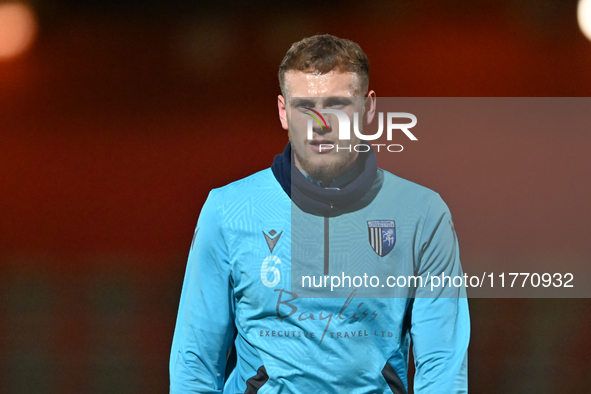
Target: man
{"points": [[308, 216]]}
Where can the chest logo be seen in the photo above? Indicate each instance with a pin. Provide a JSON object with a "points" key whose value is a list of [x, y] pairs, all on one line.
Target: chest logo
{"points": [[382, 236], [272, 239]]}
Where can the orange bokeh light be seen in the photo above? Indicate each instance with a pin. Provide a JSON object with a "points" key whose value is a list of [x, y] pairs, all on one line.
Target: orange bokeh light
{"points": [[18, 27]]}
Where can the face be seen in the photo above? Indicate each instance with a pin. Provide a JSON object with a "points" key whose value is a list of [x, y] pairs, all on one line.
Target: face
{"points": [[334, 90]]}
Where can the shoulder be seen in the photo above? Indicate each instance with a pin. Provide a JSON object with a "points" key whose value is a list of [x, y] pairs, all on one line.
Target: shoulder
{"points": [[409, 193], [263, 179], [255, 188]]}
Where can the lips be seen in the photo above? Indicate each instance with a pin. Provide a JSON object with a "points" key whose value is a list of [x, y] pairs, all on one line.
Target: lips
{"points": [[321, 146]]}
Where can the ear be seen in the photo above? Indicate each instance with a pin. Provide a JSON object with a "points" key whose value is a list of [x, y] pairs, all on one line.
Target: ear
{"points": [[370, 106], [282, 111]]}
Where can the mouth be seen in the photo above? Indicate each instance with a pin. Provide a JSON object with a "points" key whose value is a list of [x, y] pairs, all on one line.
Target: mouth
{"points": [[321, 146]]}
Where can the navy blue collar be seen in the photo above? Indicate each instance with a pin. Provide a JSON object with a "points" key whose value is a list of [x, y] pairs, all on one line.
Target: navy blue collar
{"points": [[312, 198]]}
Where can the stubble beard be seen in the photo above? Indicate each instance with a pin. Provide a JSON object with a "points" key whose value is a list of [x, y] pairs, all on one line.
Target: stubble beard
{"points": [[325, 172]]}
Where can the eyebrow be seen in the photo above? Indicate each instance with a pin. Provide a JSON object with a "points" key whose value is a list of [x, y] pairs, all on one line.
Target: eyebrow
{"points": [[333, 100], [306, 102], [302, 101]]}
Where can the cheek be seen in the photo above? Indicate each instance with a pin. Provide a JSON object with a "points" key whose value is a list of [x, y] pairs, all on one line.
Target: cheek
{"points": [[298, 129]]}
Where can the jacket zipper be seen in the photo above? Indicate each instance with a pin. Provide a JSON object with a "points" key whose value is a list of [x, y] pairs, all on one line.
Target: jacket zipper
{"points": [[326, 243], [326, 248]]}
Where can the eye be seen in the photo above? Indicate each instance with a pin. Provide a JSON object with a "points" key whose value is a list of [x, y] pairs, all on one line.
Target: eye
{"points": [[303, 106]]}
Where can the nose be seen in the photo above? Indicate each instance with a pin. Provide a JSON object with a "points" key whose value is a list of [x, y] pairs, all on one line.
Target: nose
{"points": [[322, 130], [321, 125]]}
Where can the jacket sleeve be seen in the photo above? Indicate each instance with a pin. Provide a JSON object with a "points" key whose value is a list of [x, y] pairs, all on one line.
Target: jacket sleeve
{"points": [[440, 322], [205, 322]]}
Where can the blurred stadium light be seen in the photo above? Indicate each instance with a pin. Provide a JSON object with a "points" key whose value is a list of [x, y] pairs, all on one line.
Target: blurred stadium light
{"points": [[584, 17], [18, 27]]}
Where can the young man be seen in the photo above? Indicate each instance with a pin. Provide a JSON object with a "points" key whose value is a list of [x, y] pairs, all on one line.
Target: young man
{"points": [[322, 209]]}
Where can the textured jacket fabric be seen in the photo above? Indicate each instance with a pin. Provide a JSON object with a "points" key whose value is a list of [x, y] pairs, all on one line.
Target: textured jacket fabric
{"points": [[247, 324]]}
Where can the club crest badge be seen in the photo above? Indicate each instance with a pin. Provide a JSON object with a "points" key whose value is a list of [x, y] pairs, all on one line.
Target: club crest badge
{"points": [[382, 236]]}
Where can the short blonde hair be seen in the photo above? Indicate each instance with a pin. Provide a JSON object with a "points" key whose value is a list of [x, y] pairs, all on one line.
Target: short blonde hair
{"points": [[323, 54]]}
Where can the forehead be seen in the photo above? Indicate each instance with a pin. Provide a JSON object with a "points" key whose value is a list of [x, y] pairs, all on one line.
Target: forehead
{"points": [[332, 84]]}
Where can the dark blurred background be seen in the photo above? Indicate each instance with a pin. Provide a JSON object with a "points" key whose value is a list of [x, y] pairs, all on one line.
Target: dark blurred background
{"points": [[118, 117]]}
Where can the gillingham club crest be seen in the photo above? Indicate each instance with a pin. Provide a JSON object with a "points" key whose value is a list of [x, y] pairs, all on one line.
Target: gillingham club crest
{"points": [[382, 236]]}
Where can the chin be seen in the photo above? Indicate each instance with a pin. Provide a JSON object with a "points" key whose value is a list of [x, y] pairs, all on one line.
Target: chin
{"points": [[323, 168]]}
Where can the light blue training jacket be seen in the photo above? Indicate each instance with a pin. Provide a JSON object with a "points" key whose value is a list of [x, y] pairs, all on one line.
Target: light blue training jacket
{"points": [[252, 318]]}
